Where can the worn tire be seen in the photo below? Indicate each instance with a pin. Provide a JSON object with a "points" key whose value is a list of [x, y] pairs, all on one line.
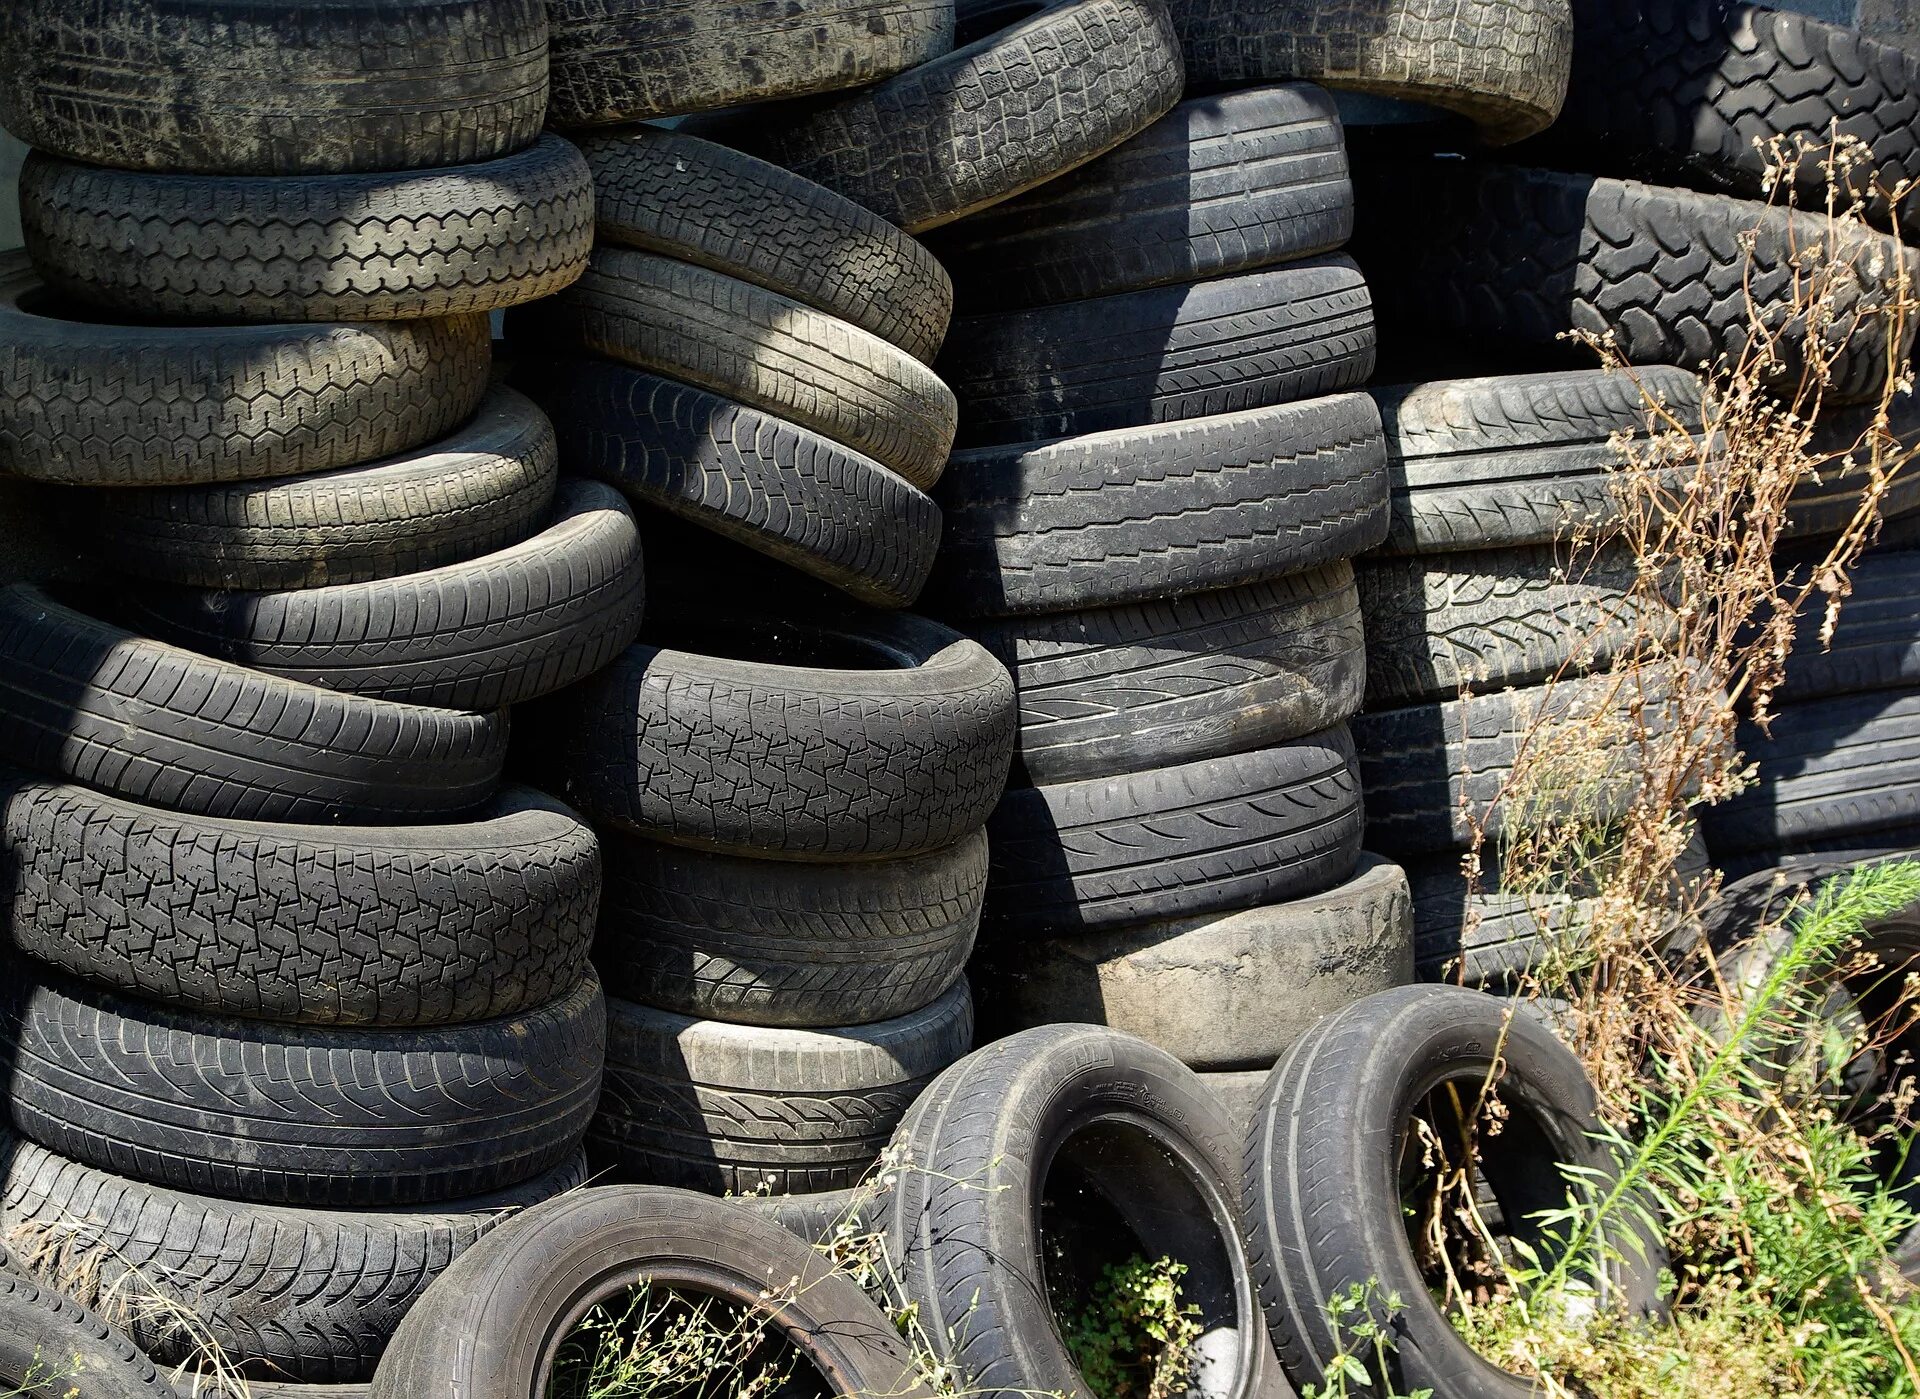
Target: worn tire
{"points": [[316, 925], [1874, 644], [294, 89], [1219, 185], [870, 735], [1843, 442], [670, 193], [488, 485], [1149, 513], [296, 1115], [1161, 355], [762, 349], [83, 404], [744, 1108], [1225, 992], [1066, 81], [1238, 831], [768, 942], [303, 1294], [1121, 689], [51, 1347]]}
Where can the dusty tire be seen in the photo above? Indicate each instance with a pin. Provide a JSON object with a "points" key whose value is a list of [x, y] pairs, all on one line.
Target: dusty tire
{"points": [[878, 735], [670, 193], [298, 89], [488, 485], [1239, 831], [1219, 185], [743, 1108], [1500, 63], [157, 724], [1064, 82], [1149, 513], [305, 1294], [53, 1348], [1121, 689], [317, 925], [1225, 992], [780, 943], [303, 1116], [770, 485], [103, 405]]}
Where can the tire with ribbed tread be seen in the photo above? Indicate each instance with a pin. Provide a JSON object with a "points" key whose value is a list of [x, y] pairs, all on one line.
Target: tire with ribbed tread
{"points": [[51, 1345], [1874, 646]]}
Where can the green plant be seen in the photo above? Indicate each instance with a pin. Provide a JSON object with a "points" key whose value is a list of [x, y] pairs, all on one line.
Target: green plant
{"points": [[1361, 1319], [1134, 1339]]}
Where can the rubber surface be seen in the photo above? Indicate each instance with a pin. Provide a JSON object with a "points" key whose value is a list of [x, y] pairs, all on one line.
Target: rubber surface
{"points": [[1874, 645], [51, 1345]]}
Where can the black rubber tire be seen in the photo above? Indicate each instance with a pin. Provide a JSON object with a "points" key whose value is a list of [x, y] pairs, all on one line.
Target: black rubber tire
{"points": [[1239, 831], [1696, 92], [759, 348], [53, 1348], [823, 1218], [1518, 459], [1500, 63], [770, 942], [1874, 645], [624, 60], [298, 1115], [488, 485], [87, 701], [744, 1108], [1319, 1164], [248, 248], [1497, 619], [296, 89], [1062, 82], [315, 925], [1219, 185], [1219, 992], [882, 734], [503, 1307], [1149, 513], [788, 493], [1517, 258], [1004, 1159], [1121, 689], [303, 1294], [485, 634], [671, 193], [1161, 355], [83, 404], [1842, 441]]}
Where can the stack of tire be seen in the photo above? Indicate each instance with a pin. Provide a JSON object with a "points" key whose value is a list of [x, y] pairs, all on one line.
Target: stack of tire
{"points": [[305, 1003]]}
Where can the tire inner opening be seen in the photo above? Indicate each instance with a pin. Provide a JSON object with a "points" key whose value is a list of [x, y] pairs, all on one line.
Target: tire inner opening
{"points": [[988, 20], [770, 642]]}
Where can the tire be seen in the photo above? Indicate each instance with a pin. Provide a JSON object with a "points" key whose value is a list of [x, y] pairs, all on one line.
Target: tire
{"points": [[1237, 1091], [487, 486], [1319, 1164], [796, 946], [1843, 443], [1521, 459], [1118, 1149], [1517, 258], [52, 1346], [1122, 689], [1149, 513], [1161, 355], [1239, 831], [1698, 92], [1226, 992], [867, 736], [821, 1219], [311, 925], [1500, 63], [305, 1294], [156, 724], [83, 404], [1499, 619], [449, 242], [1874, 645], [621, 60], [1218, 186], [670, 193], [1018, 105], [742, 1108], [762, 349], [502, 1308], [492, 632], [301, 89], [777, 488], [303, 1116]]}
